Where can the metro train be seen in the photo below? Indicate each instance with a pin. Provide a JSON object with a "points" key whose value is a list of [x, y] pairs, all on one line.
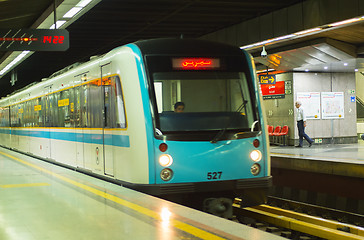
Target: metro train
{"points": [[113, 117]]}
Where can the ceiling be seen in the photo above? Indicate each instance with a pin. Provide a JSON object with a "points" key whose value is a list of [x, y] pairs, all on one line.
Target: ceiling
{"points": [[336, 50], [112, 23]]}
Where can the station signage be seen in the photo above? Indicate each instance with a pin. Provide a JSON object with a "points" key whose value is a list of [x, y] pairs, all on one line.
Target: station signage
{"points": [[267, 79], [273, 91], [34, 39]]}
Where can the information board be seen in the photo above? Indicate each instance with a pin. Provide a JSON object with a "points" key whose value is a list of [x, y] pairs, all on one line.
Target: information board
{"points": [[273, 91], [34, 39], [311, 104], [332, 105]]}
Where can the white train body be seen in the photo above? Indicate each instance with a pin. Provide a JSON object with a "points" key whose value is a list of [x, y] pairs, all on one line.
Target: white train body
{"points": [[112, 117], [91, 154]]}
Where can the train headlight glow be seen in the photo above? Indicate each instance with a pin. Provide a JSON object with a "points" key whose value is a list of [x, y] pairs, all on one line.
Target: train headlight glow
{"points": [[165, 160], [256, 155], [255, 169], [166, 174]]}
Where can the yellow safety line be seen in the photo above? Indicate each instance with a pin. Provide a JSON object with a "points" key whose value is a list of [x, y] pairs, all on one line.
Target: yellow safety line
{"points": [[24, 185], [177, 224]]}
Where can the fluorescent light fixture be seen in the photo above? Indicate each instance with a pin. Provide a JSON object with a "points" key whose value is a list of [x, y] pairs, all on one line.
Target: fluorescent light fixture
{"points": [[12, 63], [59, 24], [308, 31], [326, 67], [345, 22], [283, 37], [306, 70], [72, 12], [265, 70], [83, 3], [267, 41]]}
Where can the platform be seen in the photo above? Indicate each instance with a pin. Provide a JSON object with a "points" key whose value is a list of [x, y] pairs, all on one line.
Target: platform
{"points": [[338, 159], [326, 175], [39, 200]]}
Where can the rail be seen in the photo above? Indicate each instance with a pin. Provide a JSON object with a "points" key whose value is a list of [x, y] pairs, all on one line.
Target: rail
{"points": [[304, 223]]}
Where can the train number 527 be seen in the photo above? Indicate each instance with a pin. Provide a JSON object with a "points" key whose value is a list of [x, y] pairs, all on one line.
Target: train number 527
{"points": [[214, 175]]}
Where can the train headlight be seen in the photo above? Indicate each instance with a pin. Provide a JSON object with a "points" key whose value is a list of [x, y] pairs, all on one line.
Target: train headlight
{"points": [[255, 169], [166, 174], [256, 155], [165, 160]]}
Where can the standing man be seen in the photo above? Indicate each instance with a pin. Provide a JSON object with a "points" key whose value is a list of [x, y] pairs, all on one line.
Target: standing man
{"points": [[301, 124]]}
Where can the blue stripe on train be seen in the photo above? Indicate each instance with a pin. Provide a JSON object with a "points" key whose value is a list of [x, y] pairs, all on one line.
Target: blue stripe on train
{"points": [[112, 140]]}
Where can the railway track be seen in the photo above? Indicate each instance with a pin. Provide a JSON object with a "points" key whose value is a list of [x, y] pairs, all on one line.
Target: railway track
{"points": [[297, 225]]}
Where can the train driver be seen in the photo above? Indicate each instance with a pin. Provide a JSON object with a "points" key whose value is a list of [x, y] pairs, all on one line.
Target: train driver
{"points": [[179, 107]]}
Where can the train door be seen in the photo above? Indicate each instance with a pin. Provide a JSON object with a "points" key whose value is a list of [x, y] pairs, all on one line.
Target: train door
{"points": [[47, 99], [109, 120], [80, 119]]}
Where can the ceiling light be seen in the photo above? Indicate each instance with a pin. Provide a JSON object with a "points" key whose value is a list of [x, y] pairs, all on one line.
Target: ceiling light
{"points": [[12, 63], [345, 64], [267, 41], [308, 31], [72, 12], [356, 70], [306, 70], [326, 67], [345, 22], [59, 24], [83, 3]]}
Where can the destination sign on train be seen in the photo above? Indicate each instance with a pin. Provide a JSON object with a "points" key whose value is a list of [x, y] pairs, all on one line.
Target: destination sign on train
{"points": [[195, 63], [34, 39]]}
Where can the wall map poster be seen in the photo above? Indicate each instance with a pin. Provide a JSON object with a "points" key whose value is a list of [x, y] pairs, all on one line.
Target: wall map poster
{"points": [[311, 103], [332, 105]]}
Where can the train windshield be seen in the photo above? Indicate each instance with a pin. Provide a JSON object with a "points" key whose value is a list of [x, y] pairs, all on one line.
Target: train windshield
{"points": [[205, 101]]}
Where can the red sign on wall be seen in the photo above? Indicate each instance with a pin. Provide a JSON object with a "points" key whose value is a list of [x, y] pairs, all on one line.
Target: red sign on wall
{"points": [[270, 91]]}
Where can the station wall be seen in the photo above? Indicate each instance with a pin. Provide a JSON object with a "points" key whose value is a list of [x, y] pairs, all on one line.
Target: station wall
{"points": [[360, 108], [283, 112]]}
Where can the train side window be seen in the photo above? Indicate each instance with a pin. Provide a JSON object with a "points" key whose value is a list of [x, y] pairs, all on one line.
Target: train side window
{"points": [[4, 116], [77, 107], [14, 116], [37, 112], [95, 106], [64, 113], [54, 109], [52, 112], [27, 114], [21, 115], [84, 106], [120, 107]]}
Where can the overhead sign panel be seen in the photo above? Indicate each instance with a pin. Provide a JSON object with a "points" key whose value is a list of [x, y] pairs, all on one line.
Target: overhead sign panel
{"points": [[273, 91], [34, 39], [267, 79]]}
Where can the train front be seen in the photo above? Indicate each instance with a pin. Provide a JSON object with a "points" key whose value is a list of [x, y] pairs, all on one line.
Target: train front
{"points": [[210, 143]]}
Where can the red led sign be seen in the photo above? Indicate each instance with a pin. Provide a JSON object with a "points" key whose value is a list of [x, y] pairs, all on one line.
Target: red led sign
{"points": [[53, 39], [34, 39], [195, 63]]}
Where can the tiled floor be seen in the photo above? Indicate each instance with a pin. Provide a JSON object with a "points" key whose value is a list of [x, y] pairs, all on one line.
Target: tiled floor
{"points": [[353, 153], [40, 201]]}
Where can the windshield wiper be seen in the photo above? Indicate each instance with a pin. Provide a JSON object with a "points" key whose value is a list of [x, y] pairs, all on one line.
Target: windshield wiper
{"points": [[222, 131]]}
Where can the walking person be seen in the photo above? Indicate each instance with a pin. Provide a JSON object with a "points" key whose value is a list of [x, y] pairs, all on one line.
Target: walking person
{"points": [[301, 124]]}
